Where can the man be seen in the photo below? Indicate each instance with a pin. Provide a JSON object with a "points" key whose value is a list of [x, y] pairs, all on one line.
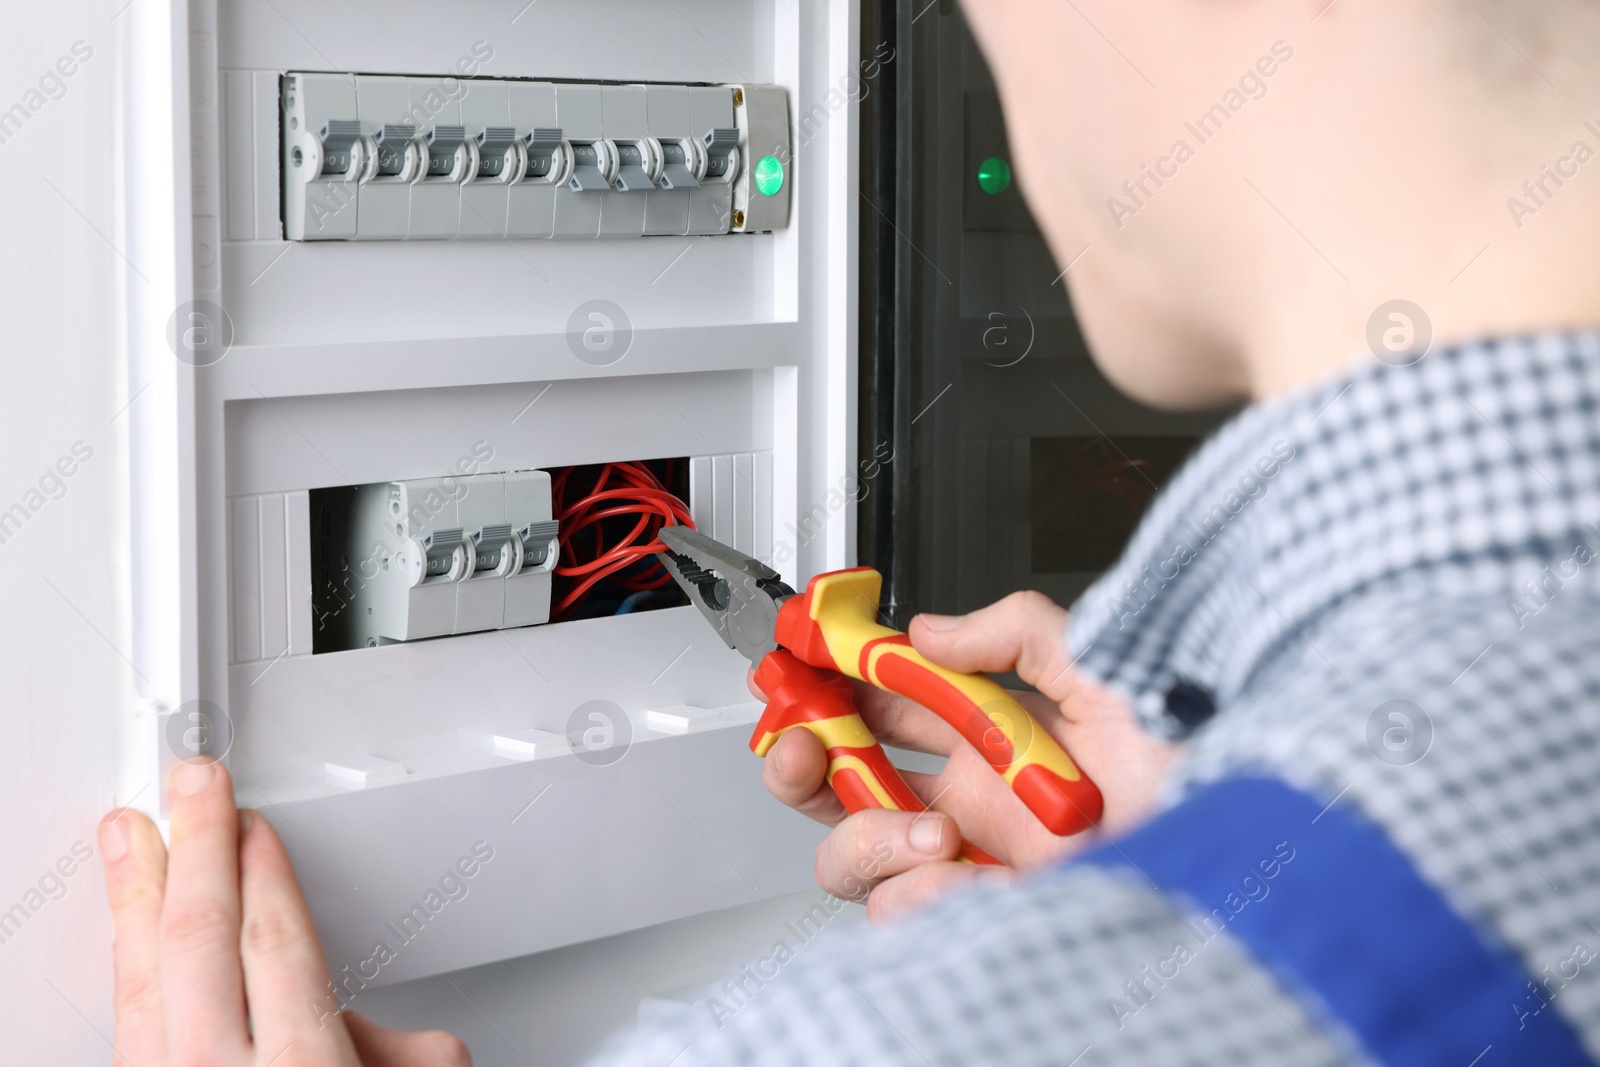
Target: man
{"points": [[1342, 691]]}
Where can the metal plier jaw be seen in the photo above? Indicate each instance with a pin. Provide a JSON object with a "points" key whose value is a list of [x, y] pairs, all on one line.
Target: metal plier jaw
{"points": [[738, 595]]}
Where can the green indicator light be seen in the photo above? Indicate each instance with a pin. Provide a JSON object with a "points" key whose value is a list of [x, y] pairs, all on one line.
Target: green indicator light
{"points": [[994, 175], [769, 175]]}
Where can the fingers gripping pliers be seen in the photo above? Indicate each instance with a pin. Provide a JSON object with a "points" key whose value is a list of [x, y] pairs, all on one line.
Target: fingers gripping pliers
{"points": [[804, 645]]}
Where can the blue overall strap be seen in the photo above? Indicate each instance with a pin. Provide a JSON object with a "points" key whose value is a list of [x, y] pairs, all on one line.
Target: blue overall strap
{"points": [[1325, 902]]}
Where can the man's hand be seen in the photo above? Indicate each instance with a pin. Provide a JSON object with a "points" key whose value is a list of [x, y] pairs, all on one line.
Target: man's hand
{"points": [[902, 860], [216, 934]]}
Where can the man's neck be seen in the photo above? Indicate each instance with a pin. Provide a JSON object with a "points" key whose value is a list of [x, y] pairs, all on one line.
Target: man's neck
{"points": [[1543, 277]]}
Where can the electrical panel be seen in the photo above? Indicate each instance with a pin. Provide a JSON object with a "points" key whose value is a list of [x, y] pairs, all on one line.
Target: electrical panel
{"points": [[373, 157], [375, 321]]}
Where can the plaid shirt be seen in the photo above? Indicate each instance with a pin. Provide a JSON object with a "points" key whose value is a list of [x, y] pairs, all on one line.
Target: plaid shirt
{"points": [[1381, 591]]}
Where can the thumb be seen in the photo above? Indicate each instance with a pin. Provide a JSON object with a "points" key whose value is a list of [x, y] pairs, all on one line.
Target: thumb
{"points": [[1026, 632]]}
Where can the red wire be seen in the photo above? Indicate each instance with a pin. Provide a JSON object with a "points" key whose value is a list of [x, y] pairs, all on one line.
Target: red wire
{"points": [[625, 490]]}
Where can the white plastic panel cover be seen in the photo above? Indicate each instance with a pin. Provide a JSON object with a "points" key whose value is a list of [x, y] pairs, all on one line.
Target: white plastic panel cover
{"points": [[386, 362]]}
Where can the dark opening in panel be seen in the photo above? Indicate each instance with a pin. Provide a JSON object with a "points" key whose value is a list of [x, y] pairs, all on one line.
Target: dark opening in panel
{"points": [[472, 551]]}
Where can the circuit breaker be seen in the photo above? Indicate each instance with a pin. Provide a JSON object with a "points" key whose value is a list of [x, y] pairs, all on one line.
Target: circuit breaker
{"points": [[453, 251], [374, 157], [402, 561]]}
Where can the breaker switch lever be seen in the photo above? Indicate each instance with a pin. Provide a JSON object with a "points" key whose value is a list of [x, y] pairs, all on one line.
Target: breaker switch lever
{"points": [[339, 137], [546, 148], [594, 165], [679, 162], [441, 548], [638, 164], [722, 151], [394, 143], [493, 144], [493, 549], [538, 541], [442, 143]]}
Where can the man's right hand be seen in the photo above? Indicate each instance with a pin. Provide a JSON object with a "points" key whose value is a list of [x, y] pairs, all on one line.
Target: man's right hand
{"points": [[899, 860]]}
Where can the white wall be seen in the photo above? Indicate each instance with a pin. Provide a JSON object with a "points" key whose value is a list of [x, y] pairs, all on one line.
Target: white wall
{"points": [[64, 633]]}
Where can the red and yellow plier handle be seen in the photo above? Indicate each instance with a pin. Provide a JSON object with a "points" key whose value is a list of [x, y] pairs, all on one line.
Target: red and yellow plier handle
{"points": [[831, 631], [800, 696]]}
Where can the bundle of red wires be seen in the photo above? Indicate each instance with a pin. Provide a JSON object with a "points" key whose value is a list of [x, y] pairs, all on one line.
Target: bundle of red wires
{"points": [[597, 541]]}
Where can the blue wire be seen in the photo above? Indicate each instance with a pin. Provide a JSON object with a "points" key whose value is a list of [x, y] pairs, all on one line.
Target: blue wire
{"points": [[631, 603]]}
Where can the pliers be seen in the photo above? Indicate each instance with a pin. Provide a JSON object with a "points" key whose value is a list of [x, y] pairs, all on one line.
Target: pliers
{"points": [[803, 646]]}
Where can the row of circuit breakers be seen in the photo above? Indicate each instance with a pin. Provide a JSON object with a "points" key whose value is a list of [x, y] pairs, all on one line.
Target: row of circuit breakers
{"points": [[400, 561], [371, 157]]}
